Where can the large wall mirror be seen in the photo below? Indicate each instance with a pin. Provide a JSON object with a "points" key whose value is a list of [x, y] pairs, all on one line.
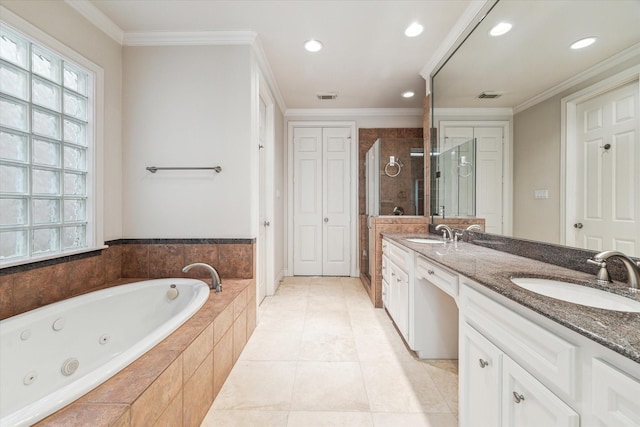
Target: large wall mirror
{"points": [[556, 128]]}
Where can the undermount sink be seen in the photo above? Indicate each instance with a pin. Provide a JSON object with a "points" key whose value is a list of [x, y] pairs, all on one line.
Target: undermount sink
{"points": [[577, 294], [422, 240]]}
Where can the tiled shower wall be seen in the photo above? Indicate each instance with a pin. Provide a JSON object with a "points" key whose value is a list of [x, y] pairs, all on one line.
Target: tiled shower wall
{"points": [[27, 287]]}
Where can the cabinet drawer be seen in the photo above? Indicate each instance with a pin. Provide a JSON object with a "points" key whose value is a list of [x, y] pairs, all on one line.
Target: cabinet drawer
{"points": [[440, 277], [398, 255], [540, 351], [615, 396]]}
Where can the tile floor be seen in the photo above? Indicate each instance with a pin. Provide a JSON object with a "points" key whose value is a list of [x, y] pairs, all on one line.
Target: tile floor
{"points": [[321, 355]]}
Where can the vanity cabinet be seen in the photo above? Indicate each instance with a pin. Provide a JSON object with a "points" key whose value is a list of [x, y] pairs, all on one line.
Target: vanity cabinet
{"points": [[516, 371], [396, 276], [497, 391]]}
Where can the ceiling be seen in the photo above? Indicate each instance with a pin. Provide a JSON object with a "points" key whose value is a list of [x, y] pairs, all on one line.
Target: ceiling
{"points": [[366, 57], [534, 56]]}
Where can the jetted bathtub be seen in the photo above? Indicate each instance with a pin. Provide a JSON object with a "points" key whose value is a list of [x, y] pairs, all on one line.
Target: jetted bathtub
{"points": [[52, 355]]}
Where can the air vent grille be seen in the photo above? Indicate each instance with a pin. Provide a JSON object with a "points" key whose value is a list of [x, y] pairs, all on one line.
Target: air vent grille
{"points": [[327, 95], [489, 95]]}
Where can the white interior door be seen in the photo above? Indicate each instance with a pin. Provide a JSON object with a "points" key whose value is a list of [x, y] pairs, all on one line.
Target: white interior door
{"points": [[607, 196], [307, 201], [336, 197], [488, 168], [262, 215], [489, 172], [321, 211]]}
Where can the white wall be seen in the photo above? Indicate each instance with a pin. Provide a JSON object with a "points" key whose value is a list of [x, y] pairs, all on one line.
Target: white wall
{"points": [[64, 24], [536, 163], [188, 106]]}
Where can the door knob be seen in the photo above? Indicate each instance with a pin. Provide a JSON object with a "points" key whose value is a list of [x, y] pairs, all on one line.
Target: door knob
{"points": [[578, 225], [266, 223], [326, 219]]}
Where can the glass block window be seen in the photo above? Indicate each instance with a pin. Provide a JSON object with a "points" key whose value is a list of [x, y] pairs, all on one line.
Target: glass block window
{"points": [[45, 151]]}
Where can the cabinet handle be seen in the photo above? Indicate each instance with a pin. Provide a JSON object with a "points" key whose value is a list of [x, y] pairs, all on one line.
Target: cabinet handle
{"points": [[517, 397], [483, 363], [431, 272], [393, 273], [398, 279]]}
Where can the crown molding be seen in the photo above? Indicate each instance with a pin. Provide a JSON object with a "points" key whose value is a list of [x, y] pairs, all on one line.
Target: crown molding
{"points": [[353, 112], [267, 73], [472, 112], [605, 65], [97, 18]]}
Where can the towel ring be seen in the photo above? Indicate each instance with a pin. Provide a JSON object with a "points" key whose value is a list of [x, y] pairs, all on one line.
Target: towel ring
{"points": [[465, 172], [392, 174]]}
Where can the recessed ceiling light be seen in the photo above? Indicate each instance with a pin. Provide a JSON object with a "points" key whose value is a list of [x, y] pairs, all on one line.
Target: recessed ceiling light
{"points": [[583, 43], [413, 30], [408, 94], [312, 45], [500, 29]]}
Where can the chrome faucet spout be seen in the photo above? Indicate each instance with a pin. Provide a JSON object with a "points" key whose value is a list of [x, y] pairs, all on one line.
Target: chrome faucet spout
{"points": [[633, 267], [216, 284], [447, 231], [474, 227]]}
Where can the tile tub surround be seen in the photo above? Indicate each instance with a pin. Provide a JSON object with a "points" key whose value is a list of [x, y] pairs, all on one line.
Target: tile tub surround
{"points": [[617, 331], [29, 286], [174, 383]]}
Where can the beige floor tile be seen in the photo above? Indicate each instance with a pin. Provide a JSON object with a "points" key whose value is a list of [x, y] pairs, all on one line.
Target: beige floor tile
{"points": [[281, 320], [381, 347], [414, 420], [330, 419], [318, 345], [329, 386], [293, 301], [258, 386], [226, 418], [444, 374], [401, 387], [271, 345], [321, 355]]}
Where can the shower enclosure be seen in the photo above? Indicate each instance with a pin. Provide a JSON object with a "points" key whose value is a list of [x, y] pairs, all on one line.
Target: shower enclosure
{"points": [[453, 178], [394, 172]]}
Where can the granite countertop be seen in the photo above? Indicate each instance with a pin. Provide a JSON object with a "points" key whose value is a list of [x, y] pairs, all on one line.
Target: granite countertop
{"points": [[618, 331]]}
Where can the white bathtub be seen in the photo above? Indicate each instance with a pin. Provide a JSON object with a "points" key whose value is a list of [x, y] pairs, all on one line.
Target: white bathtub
{"points": [[100, 333]]}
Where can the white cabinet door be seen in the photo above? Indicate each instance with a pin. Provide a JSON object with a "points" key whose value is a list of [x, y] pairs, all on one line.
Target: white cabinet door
{"points": [[402, 309], [480, 379], [528, 403], [616, 396]]}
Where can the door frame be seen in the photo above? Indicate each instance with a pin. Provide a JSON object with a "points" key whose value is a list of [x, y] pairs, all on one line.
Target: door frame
{"points": [[507, 163], [568, 144], [353, 176]]}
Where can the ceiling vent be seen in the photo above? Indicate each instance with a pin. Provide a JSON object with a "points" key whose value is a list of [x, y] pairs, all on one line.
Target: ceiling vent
{"points": [[327, 95], [489, 95]]}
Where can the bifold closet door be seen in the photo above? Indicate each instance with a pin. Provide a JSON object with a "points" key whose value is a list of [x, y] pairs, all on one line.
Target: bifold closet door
{"points": [[321, 187]]}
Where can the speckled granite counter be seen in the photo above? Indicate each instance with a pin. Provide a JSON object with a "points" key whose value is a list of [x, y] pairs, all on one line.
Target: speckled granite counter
{"points": [[615, 330]]}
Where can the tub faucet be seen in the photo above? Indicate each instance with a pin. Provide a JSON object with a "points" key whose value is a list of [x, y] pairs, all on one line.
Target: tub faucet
{"points": [[215, 278], [447, 231], [633, 268]]}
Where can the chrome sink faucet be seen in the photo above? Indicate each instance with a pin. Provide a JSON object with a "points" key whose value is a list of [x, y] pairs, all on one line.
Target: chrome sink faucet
{"points": [[215, 278], [474, 227], [633, 268], [447, 231]]}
